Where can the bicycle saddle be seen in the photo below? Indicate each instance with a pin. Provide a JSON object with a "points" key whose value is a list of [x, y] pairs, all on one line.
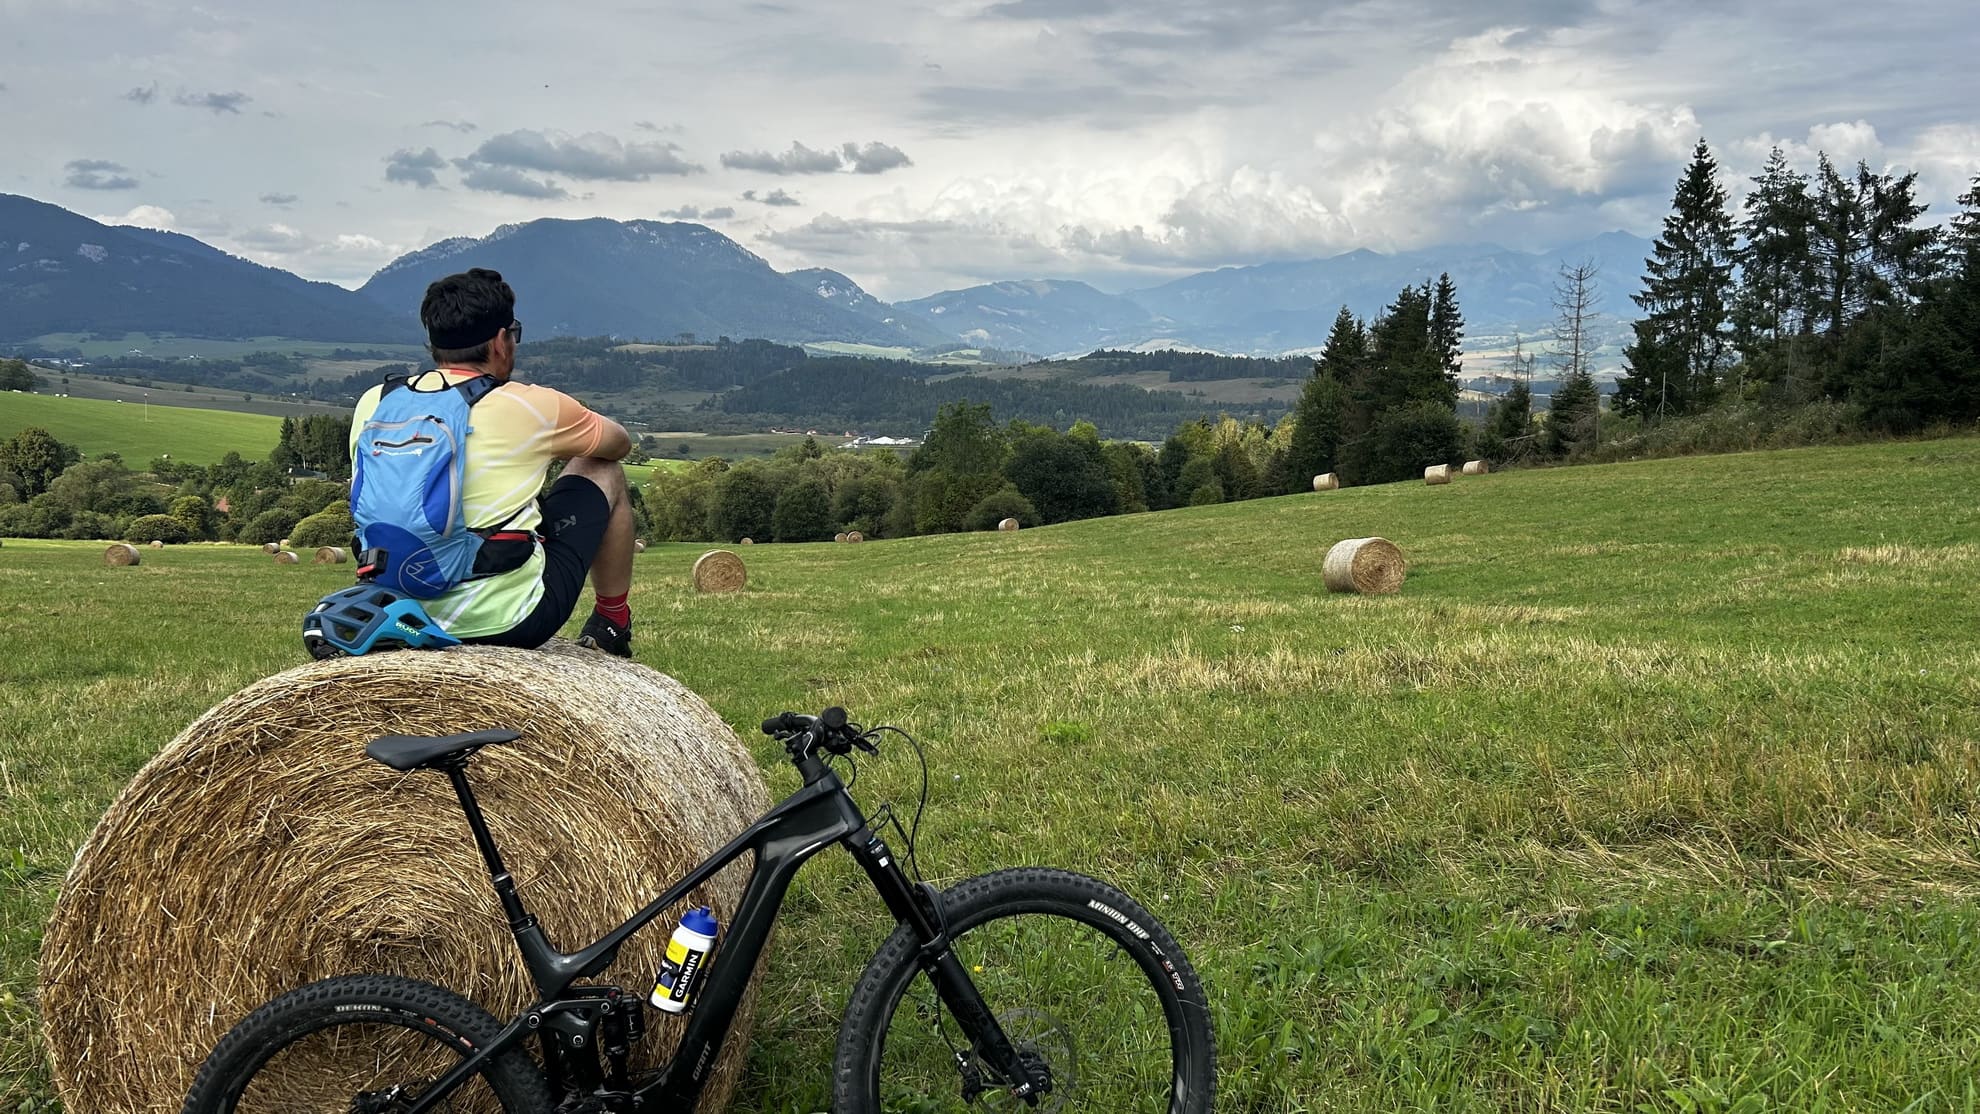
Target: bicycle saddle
{"points": [[417, 752]]}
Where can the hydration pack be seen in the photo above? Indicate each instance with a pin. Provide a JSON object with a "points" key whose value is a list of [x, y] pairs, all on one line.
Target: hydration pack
{"points": [[411, 463]]}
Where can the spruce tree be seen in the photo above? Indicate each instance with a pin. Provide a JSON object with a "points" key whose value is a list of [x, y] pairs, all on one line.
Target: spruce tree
{"points": [[1682, 343], [1403, 364], [1572, 415], [1321, 416], [1838, 247], [1447, 328], [1776, 269], [1902, 256], [1963, 235]]}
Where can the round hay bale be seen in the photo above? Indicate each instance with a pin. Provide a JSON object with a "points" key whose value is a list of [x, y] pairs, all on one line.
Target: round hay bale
{"points": [[156, 544], [1476, 468], [260, 850], [719, 570], [1007, 525], [332, 554], [855, 536], [1369, 566], [639, 545], [839, 537], [287, 557], [283, 544], [271, 548], [1437, 474], [747, 541], [120, 555], [1326, 481]]}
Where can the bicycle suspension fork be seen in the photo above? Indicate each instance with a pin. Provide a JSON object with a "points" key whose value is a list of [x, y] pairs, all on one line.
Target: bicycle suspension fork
{"points": [[920, 908]]}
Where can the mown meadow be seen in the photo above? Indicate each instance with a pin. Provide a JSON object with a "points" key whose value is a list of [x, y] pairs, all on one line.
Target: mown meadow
{"points": [[1653, 790]]}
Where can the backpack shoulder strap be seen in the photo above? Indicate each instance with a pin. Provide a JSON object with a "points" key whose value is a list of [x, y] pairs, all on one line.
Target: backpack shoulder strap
{"points": [[477, 388]]}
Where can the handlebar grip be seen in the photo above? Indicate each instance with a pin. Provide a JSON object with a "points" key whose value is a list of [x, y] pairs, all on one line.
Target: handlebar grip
{"points": [[784, 723], [834, 718]]}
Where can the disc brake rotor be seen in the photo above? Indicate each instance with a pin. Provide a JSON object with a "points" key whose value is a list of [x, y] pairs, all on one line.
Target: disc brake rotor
{"points": [[1041, 1040]]}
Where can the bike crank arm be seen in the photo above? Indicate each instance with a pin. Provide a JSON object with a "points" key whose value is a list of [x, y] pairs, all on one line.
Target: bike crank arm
{"points": [[993, 1047]]}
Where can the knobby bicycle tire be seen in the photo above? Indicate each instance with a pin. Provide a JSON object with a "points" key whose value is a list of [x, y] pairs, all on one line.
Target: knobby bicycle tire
{"points": [[1050, 951], [318, 1047]]}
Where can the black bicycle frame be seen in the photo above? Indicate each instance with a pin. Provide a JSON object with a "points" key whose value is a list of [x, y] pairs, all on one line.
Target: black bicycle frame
{"points": [[797, 828]]}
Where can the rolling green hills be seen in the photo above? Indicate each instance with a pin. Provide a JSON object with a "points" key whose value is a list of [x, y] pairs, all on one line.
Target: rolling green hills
{"points": [[1653, 789], [142, 433]]}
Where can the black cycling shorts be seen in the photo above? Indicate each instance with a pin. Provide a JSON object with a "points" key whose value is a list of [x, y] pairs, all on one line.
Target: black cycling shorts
{"points": [[575, 514]]}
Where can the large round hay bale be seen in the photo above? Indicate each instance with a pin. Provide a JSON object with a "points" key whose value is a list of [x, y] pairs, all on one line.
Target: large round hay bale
{"points": [[260, 850], [156, 544], [719, 570], [839, 537], [748, 541], [855, 536], [1007, 525], [332, 554], [1476, 468], [120, 555], [271, 548], [287, 557], [1326, 481], [1370, 566], [1437, 474], [639, 545]]}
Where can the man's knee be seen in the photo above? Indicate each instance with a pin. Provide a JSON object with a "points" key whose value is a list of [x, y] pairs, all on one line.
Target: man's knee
{"points": [[607, 474]]}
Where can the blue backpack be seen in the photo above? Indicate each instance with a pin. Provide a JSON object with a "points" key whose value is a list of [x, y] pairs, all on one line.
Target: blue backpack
{"points": [[411, 463]]}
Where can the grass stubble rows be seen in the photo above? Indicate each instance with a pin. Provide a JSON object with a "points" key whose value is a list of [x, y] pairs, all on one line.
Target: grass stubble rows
{"points": [[1653, 789]]}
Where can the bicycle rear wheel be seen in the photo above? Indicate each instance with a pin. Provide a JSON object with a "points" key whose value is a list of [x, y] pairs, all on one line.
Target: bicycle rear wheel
{"points": [[1080, 976], [362, 1044]]}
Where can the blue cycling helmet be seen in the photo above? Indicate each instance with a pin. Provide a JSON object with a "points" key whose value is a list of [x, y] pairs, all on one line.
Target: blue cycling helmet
{"points": [[366, 618]]}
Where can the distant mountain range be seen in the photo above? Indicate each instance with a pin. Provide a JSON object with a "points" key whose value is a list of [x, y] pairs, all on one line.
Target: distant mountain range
{"points": [[656, 280], [64, 273]]}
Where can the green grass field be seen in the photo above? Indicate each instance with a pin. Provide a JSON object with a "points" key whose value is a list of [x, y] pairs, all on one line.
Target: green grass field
{"points": [[165, 346], [1653, 790], [139, 432]]}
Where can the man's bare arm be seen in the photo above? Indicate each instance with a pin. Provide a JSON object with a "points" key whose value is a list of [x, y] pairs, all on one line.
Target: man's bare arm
{"points": [[614, 443]]}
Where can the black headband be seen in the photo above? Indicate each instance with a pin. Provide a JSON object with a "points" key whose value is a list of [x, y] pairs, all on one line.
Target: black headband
{"points": [[477, 332]]}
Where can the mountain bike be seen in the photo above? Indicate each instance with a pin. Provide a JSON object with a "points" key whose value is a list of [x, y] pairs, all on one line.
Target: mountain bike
{"points": [[1022, 989]]}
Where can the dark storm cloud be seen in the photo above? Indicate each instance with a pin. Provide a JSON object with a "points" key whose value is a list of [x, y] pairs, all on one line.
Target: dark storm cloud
{"points": [[220, 104], [461, 126], [774, 197], [875, 158], [690, 212], [508, 180], [414, 168], [99, 174], [593, 156], [798, 160], [143, 94], [282, 199]]}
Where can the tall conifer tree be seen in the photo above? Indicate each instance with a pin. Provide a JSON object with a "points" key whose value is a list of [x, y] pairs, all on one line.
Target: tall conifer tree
{"points": [[1321, 418], [1776, 268], [1447, 327], [1683, 341]]}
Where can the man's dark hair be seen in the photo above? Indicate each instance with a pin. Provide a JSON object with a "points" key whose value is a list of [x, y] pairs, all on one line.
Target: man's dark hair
{"points": [[462, 313]]}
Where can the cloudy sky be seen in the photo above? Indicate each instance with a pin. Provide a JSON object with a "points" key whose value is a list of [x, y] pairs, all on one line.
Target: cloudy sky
{"points": [[931, 145]]}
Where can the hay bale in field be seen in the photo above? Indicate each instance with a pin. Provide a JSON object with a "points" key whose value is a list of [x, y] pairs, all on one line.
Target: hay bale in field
{"points": [[1437, 474], [120, 555], [639, 545], [332, 554], [287, 557], [747, 541], [1476, 468], [271, 548], [839, 537], [1326, 481], [283, 544], [1007, 525], [719, 570], [156, 544], [261, 850], [1369, 566], [855, 536]]}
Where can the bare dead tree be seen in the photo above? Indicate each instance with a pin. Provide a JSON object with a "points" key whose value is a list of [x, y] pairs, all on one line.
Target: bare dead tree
{"points": [[1575, 301]]}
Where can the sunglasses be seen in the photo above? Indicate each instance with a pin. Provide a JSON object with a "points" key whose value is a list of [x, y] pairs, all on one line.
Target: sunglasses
{"points": [[515, 331]]}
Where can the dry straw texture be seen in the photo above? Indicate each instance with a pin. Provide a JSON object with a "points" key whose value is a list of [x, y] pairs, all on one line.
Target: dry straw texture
{"points": [[271, 547], [749, 541], [1476, 468], [838, 537], [260, 850], [855, 536], [283, 544], [1437, 474], [1008, 525], [332, 555], [1326, 481], [287, 557], [719, 570], [120, 555], [156, 544], [1369, 566]]}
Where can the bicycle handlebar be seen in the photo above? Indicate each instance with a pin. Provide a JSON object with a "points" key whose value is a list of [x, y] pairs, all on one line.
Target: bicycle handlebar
{"points": [[829, 729]]}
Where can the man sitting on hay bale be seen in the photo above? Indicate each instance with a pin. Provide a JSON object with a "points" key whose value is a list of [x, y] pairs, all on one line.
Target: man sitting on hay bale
{"points": [[530, 566]]}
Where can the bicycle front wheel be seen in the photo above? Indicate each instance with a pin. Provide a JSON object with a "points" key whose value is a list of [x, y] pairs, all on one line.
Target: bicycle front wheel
{"points": [[1083, 980], [362, 1044]]}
